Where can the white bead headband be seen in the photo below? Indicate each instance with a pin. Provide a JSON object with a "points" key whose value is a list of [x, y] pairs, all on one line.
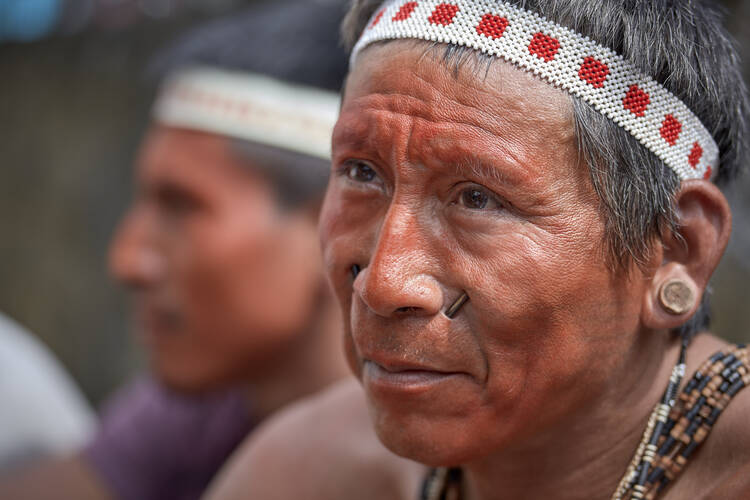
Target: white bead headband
{"points": [[614, 87], [251, 107]]}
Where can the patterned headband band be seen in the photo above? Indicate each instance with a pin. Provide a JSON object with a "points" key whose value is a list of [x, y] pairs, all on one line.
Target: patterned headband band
{"points": [[250, 107], [614, 87]]}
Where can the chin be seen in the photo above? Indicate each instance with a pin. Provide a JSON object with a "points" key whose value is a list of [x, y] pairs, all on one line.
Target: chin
{"points": [[432, 441], [437, 421], [187, 378]]}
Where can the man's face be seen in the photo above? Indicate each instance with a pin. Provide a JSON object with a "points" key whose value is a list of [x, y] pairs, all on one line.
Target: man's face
{"points": [[222, 278], [443, 184]]}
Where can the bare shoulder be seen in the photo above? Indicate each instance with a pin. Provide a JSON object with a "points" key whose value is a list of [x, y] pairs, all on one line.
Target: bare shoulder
{"points": [[54, 479], [320, 448]]}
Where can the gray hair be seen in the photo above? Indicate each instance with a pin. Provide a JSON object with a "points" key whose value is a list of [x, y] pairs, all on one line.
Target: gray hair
{"points": [[684, 46]]}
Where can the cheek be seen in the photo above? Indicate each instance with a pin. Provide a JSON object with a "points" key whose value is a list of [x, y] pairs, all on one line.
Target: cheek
{"points": [[348, 232], [213, 282], [218, 271], [551, 319], [527, 279], [272, 284]]}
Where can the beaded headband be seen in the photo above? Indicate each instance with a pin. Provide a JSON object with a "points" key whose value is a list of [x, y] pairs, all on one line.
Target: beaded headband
{"points": [[250, 107], [605, 80]]}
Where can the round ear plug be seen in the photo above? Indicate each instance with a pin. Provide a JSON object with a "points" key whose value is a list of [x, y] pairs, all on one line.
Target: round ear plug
{"points": [[676, 297], [457, 305]]}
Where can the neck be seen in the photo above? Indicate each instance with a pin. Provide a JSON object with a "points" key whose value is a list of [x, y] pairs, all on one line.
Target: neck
{"points": [[308, 365], [586, 455]]}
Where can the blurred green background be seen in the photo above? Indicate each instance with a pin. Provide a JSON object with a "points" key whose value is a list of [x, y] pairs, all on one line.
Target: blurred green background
{"points": [[73, 106]]}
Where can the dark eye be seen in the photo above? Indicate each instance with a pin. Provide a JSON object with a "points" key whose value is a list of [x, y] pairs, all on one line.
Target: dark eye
{"points": [[360, 172], [474, 198], [175, 200]]}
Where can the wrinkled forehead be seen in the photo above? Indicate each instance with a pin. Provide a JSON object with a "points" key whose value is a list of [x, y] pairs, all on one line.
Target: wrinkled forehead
{"points": [[443, 84]]}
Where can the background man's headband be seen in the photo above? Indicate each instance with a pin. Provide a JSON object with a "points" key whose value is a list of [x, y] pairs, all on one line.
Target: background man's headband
{"points": [[250, 107], [614, 87]]}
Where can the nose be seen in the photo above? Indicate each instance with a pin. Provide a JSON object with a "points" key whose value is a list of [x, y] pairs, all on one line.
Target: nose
{"points": [[399, 278], [134, 259]]}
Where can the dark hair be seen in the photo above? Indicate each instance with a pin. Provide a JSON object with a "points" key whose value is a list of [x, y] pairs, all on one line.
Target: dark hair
{"points": [[684, 46], [295, 41]]}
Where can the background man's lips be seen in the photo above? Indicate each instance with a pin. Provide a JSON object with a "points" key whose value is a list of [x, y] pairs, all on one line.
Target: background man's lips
{"points": [[155, 320]]}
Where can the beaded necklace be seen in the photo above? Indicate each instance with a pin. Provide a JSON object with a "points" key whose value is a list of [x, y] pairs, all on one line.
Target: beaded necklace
{"points": [[676, 428]]}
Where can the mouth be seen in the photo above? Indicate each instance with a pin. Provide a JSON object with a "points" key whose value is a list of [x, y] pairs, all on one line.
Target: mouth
{"points": [[155, 322], [404, 378]]}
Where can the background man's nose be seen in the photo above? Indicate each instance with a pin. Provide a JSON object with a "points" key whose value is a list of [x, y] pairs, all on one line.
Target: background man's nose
{"points": [[399, 277], [134, 259]]}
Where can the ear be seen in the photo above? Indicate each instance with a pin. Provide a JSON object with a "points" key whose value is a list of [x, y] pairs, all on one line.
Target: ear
{"points": [[691, 256]]}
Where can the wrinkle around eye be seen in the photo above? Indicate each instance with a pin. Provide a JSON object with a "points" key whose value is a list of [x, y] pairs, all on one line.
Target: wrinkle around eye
{"points": [[361, 174], [479, 199], [465, 194]]}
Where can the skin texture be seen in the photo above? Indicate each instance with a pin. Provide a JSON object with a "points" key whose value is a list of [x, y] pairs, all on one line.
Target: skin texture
{"points": [[444, 183], [541, 385], [224, 282], [527, 260]]}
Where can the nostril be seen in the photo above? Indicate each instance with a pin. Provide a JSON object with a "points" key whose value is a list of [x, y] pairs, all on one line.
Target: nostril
{"points": [[387, 291], [407, 309], [355, 269]]}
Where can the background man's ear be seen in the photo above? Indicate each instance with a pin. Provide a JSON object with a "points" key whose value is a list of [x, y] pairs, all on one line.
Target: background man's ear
{"points": [[688, 259]]}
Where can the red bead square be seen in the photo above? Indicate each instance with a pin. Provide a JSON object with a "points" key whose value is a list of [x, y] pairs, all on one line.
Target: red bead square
{"points": [[695, 155], [443, 14], [594, 72], [377, 18], [670, 129], [636, 101], [492, 26], [405, 11], [544, 46]]}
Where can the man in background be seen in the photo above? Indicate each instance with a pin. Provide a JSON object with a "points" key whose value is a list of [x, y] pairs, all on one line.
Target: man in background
{"points": [[220, 249]]}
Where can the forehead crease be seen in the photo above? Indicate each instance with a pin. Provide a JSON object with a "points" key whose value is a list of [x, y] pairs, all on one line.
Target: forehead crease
{"points": [[500, 90], [495, 106], [383, 109], [467, 148], [481, 159], [498, 116]]}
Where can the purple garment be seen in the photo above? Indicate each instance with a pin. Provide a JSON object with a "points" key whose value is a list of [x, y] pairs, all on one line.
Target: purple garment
{"points": [[153, 444]]}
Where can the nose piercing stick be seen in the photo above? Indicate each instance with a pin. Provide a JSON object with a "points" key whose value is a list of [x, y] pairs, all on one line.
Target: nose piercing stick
{"points": [[457, 305], [355, 271]]}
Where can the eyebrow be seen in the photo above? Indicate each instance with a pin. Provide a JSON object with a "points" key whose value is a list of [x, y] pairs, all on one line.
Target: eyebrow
{"points": [[470, 163], [467, 162], [357, 138], [478, 168]]}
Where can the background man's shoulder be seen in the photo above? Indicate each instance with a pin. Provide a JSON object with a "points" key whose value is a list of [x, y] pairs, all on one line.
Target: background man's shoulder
{"points": [[322, 447]]}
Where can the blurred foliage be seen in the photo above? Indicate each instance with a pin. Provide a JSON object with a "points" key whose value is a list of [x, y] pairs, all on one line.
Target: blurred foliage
{"points": [[73, 109]]}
